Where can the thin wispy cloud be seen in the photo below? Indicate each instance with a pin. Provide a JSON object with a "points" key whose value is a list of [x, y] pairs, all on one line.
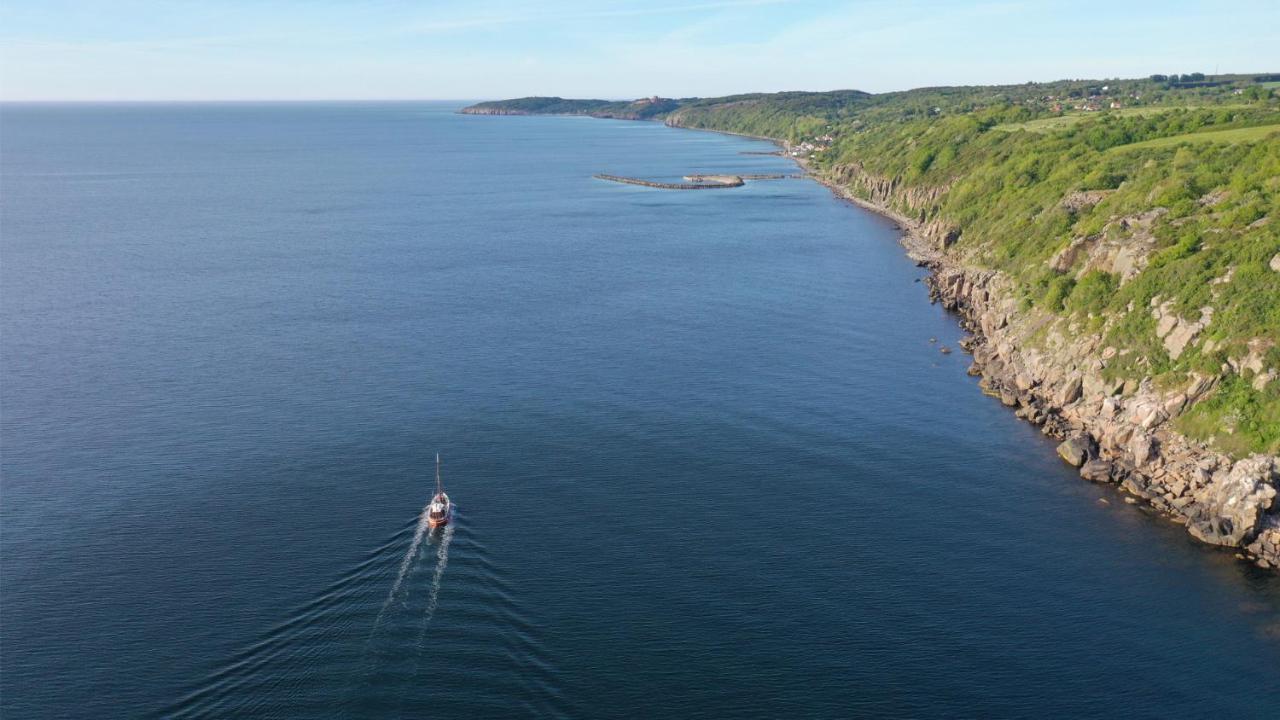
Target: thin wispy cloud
{"points": [[404, 49], [451, 24]]}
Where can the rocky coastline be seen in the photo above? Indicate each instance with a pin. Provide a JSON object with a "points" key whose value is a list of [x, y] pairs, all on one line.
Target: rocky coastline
{"points": [[1113, 431], [1051, 373]]}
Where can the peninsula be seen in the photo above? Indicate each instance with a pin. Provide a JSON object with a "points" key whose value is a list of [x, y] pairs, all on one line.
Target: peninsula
{"points": [[1112, 246]]}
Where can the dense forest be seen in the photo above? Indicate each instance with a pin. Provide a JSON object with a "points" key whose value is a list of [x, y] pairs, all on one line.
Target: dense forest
{"points": [[1099, 199]]}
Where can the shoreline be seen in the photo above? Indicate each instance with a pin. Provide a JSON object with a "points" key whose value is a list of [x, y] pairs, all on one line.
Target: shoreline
{"points": [[1113, 433], [1109, 435], [1109, 438]]}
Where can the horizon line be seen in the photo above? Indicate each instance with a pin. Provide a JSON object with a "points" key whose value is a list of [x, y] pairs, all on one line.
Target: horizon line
{"points": [[34, 101]]}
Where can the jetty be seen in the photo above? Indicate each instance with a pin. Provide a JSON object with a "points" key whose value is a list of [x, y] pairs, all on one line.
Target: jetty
{"points": [[711, 181], [698, 181], [748, 176]]}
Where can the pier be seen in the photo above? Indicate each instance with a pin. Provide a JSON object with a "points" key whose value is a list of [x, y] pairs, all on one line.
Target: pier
{"points": [[756, 176], [696, 182], [720, 181]]}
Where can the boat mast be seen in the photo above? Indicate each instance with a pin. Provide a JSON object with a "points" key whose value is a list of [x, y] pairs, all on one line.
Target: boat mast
{"points": [[439, 487]]}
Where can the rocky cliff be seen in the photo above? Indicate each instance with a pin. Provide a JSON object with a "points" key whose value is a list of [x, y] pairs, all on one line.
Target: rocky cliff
{"points": [[1051, 371], [1113, 431]]}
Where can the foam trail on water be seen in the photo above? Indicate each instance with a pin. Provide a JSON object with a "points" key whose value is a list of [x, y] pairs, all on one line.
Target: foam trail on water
{"points": [[442, 562], [419, 534], [433, 596]]}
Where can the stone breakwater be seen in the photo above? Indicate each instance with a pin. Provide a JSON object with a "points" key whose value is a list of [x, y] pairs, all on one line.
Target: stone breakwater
{"points": [[704, 182], [700, 182], [1113, 431], [744, 176]]}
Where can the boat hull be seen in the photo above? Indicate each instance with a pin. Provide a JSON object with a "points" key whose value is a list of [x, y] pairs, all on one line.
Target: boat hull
{"points": [[435, 522]]}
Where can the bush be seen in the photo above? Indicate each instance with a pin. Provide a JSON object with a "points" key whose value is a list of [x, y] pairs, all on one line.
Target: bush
{"points": [[1093, 292], [1059, 290]]}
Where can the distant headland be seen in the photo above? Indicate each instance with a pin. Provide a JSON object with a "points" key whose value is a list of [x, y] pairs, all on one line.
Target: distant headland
{"points": [[642, 109]]}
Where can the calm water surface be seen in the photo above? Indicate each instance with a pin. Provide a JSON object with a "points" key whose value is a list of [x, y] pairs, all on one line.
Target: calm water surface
{"points": [[708, 463]]}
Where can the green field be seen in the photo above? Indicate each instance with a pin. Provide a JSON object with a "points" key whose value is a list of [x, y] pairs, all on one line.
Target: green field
{"points": [[1234, 135], [1050, 124], [1043, 125]]}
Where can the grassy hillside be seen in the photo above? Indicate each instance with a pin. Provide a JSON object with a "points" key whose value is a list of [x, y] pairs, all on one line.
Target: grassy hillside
{"points": [[1109, 204], [1236, 135]]}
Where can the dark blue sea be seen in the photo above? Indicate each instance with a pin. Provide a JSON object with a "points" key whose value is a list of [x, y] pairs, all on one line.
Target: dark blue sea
{"points": [[708, 463]]}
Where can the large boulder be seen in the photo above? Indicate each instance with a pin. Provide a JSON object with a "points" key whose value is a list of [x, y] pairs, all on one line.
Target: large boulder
{"points": [[1070, 392], [1142, 447], [1200, 385], [1233, 504], [1096, 471], [1146, 412], [1076, 450]]}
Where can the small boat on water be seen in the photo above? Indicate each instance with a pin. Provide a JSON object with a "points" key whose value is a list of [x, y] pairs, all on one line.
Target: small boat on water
{"points": [[440, 511]]}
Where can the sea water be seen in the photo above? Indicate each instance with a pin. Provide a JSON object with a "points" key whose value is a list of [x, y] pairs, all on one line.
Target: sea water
{"points": [[706, 459]]}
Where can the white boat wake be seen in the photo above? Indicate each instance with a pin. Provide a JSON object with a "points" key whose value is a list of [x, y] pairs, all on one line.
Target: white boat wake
{"points": [[401, 590], [433, 596], [419, 534], [442, 562]]}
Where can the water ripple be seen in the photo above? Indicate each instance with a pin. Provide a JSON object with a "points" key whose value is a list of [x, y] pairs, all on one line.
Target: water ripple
{"points": [[380, 616]]}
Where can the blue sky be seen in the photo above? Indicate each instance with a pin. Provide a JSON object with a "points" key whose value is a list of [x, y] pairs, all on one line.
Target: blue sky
{"points": [[393, 49]]}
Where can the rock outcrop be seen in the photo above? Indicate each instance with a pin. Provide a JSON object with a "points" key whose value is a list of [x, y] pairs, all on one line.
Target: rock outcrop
{"points": [[1123, 248], [1229, 510], [1076, 449], [1176, 332]]}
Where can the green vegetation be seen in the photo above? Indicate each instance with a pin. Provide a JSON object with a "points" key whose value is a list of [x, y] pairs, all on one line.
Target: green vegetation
{"points": [[631, 109], [1043, 125], [1184, 175], [1248, 134], [1236, 418], [1059, 122], [543, 106]]}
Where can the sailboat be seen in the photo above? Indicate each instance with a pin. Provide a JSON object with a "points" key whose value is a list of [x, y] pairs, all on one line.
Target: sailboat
{"points": [[440, 511]]}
